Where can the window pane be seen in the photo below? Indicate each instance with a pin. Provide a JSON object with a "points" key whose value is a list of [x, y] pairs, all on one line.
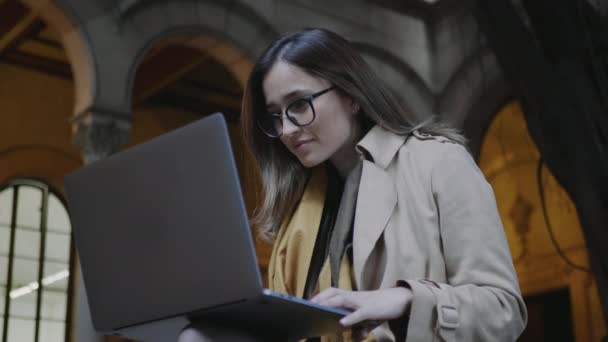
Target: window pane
{"points": [[58, 219], [2, 302], [54, 305], [6, 206], [29, 206], [3, 270], [23, 289], [24, 305], [27, 243], [52, 331], [24, 272], [5, 241], [21, 330], [58, 247], [56, 276]]}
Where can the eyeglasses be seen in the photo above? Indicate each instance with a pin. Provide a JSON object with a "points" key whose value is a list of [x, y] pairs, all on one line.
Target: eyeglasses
{"points": [[300, 112]]}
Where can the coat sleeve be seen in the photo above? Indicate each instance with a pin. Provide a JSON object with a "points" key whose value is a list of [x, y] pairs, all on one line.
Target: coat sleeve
{"points": [[481, 300]]}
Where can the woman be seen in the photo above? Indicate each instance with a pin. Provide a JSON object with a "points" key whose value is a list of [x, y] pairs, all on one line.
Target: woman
{"points": [[369, 210]]}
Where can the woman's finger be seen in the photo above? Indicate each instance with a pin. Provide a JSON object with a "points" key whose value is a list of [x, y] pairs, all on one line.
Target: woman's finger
{"points": [[342, 300], [355, 317], [325, 295]]}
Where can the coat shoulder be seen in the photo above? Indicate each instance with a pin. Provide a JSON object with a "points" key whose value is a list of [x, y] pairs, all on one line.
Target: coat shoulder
{"points": [[427, 150]]}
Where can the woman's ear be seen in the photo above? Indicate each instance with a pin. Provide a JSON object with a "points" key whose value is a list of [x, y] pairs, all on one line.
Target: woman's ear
{"points": [[354, 107]]}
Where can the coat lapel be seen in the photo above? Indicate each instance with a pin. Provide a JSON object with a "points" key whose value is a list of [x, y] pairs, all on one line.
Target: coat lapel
{"points": [[375, 203]]}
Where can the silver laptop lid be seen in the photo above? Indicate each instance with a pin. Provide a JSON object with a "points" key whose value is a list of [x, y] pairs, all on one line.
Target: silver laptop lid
{"points": [[161, 228]]}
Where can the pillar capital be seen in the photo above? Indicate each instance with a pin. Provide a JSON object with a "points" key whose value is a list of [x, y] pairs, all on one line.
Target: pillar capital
{"points": [[99, 132]]}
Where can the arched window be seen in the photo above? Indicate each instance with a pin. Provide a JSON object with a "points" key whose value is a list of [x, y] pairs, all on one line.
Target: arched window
{"points": [[35, 263]]}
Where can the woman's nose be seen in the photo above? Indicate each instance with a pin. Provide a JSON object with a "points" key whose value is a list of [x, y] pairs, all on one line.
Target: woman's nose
{"points": [[288, 126]]}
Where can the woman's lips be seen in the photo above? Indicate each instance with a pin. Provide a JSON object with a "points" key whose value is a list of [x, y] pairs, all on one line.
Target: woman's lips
{"points": [[301, 144]]}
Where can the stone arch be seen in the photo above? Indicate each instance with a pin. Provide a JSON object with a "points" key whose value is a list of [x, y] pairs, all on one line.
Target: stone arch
{"points": [[473, 96], [38, 161], [230, 32], [62, 18], [401, 78], [103, 41], [494, 97], [469, 85], [207, 43]]}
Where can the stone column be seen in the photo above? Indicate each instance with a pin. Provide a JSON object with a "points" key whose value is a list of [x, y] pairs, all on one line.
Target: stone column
{"points": [[99, 133]]}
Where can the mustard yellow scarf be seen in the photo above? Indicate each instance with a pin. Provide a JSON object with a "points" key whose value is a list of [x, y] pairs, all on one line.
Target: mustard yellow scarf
{"points": [[293, 248]]}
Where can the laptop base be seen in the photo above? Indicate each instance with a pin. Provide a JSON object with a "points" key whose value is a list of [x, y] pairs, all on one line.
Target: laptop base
{"points": [[275, 316]]}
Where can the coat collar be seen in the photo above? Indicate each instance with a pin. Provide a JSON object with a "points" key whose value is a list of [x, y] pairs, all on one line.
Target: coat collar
{"points": [[377, 196], [376, 201], [380, 146]]}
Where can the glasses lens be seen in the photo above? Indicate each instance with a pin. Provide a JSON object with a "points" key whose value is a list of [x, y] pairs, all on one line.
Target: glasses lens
{"points": [[301, 112], [271, 124]]}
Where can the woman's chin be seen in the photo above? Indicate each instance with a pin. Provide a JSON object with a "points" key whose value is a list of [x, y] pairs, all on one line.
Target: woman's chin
{"points": [[309, 162]]}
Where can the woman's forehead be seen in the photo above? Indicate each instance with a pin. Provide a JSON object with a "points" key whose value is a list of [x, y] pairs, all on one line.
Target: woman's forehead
{"points": [[284, 80]]}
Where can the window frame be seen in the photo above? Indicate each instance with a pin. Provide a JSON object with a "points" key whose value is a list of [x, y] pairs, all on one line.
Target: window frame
{"points": [[46, 192]]}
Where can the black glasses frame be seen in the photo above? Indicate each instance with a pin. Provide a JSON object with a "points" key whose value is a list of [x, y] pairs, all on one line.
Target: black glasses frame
{"points": [[308, 99]]}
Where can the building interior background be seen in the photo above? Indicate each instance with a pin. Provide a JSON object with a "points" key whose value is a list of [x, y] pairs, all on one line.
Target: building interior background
{"points": [[80, 80]]}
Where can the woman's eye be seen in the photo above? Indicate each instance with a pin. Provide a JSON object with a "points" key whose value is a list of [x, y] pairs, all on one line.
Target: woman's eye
{"points": [[298, 107]]}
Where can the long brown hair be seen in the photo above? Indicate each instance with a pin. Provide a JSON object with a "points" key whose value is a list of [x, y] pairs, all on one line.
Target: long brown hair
{"points": [[326, 55]]}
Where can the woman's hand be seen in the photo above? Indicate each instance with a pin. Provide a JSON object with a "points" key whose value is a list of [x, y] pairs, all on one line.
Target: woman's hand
{"points": [[379, 305]]}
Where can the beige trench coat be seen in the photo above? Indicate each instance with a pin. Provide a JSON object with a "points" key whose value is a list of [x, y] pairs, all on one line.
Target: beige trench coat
{"points": [[425, 214]]}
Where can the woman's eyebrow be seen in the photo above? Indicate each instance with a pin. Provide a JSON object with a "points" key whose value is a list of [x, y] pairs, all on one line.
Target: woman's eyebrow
{"points": [[289, 96]]}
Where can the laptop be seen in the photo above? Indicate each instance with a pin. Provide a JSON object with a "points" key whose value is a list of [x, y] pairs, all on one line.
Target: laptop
{"points": [[163, 234]]}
